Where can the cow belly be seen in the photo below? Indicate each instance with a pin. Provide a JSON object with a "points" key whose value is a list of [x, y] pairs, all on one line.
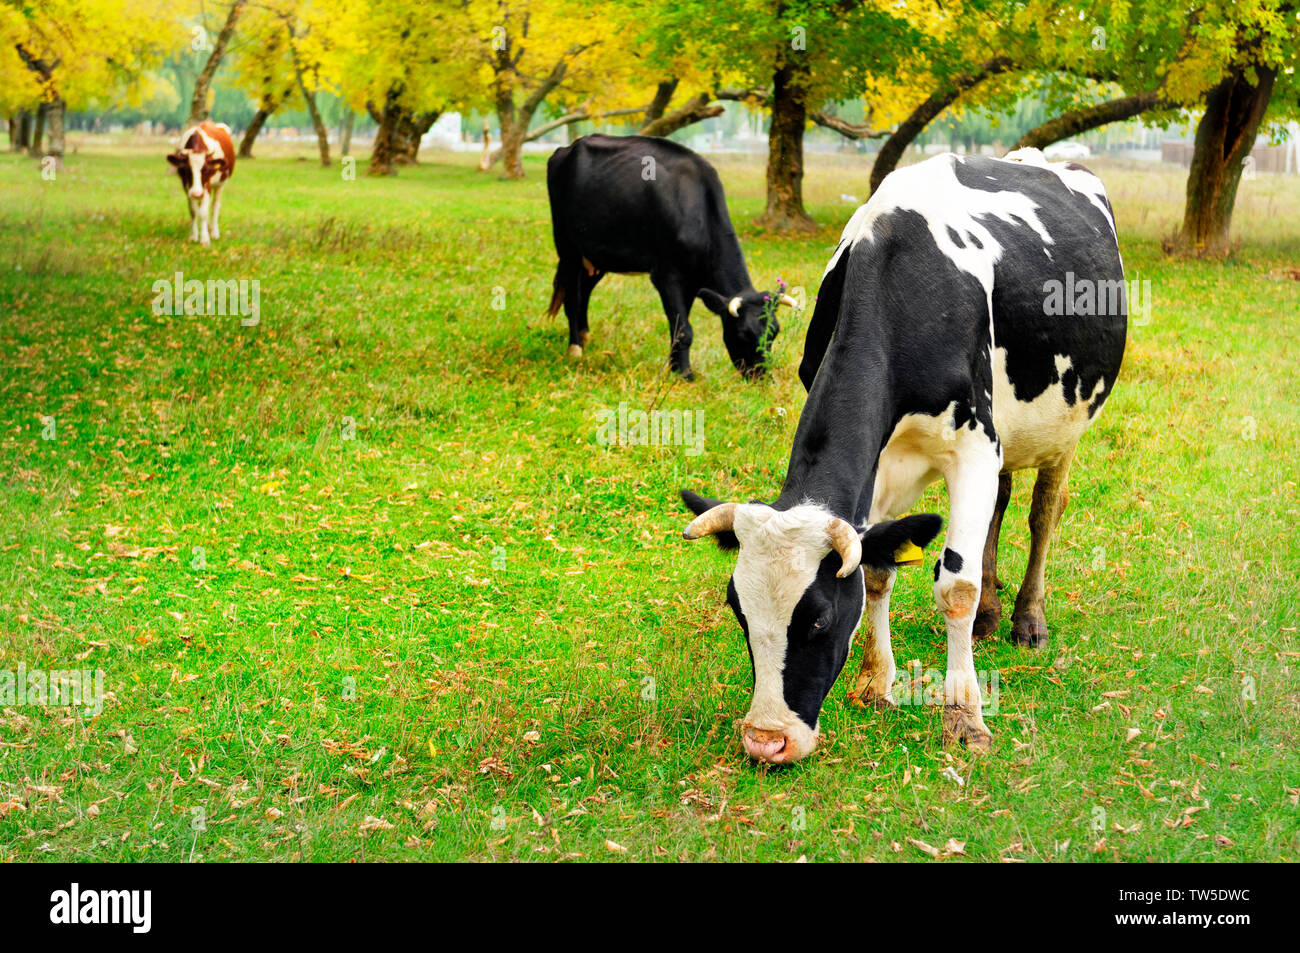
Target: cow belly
{"points": [[1038, 432]]}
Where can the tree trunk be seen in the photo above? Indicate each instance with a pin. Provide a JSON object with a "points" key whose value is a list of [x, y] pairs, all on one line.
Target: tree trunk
{"points": [[914, 125], [663, 96], [785, 210], [486, 160], [250, 134], [54, 115], [1224, 137], [345, 132], [414, 126], [20, 131], [1081, 120], [38, 133], [199, 101], [397, 142], [512, 149], [322, 134]]}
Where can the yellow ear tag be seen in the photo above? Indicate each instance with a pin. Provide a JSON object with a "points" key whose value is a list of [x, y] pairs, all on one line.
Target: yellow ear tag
{"points": [[909, 554]]}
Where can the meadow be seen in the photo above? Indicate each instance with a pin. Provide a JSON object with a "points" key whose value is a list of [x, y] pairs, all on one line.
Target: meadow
{"points": [[364, 584]]}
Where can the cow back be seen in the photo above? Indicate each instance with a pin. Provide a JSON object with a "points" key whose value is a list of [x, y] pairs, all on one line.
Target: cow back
{"points": [[220, 133]]}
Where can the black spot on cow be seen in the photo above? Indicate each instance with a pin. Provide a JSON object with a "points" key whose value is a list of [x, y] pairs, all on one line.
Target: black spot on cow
{"points": [[952, 561], [956, 239]]}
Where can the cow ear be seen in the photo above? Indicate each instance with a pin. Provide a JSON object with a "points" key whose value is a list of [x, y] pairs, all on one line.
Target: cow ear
{"points": [[714, 302], [177, 159], [899, 542], [698, 505]]}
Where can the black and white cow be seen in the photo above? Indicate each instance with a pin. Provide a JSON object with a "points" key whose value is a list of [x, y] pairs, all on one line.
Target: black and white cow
{"points": [[641, 205], [936, 350]]}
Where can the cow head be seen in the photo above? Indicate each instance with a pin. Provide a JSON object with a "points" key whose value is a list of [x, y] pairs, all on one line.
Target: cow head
{"points": [[196, 167], [797, 592], [749, 325]]}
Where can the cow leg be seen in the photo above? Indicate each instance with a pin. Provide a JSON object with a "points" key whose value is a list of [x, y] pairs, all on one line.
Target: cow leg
{"points": [[1028, 621], [875, 682], [205, 208], [194, 217], [972, 479], [989, 613], [216, 212], [677, 307], [578, 284]]}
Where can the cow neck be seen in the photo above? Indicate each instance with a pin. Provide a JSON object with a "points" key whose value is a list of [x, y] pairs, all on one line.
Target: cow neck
{"points": [[844, 426], [728, 275]]}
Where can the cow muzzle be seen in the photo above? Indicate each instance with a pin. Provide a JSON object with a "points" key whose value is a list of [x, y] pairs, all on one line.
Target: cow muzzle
{"points": [[196, 193], [777, 747]]}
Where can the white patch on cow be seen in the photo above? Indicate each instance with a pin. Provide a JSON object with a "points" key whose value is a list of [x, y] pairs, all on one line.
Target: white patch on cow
{"points": [[1076, 180], [919, 451], [780, 551], [196, 160], [1038, 432], [931, 189]]}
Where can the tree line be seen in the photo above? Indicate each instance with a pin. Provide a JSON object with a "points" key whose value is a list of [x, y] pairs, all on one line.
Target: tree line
{"points": [[1228, 66]]}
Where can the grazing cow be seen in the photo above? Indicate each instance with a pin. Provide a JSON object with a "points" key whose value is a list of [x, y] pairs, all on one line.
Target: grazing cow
{"points": [[634, 205], [943, 344], [205, 162]]}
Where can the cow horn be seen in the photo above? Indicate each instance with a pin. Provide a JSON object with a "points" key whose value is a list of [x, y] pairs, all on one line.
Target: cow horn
{"points": [[845, 541], [734, 306], [788, 301], [717, 519]]}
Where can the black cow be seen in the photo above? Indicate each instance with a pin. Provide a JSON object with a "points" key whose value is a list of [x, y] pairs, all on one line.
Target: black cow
{"points": [[635, 205], [971, 323]]}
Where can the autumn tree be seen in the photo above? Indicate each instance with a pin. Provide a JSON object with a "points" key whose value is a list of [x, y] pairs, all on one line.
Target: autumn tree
{"points": [[1246, 58], [199, 100], [792, 58], [264, 69], [62, 54]]}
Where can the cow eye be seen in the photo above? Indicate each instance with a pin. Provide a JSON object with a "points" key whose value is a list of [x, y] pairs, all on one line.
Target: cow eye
{"points": [[822, 622]]}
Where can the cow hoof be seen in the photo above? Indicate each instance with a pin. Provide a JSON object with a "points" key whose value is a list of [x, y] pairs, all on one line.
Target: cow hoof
{"points": [[864, 693], [964, 725], [1029, 633], [687, 375], [986, 622], [575, 351], [872, 698]]}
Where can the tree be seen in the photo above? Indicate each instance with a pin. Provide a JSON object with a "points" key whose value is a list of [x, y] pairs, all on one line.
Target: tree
{"points": [[264, 69], [392, 61], [202, 85], [1247, 54], [62, 54], [538, 52], [790, 57]]}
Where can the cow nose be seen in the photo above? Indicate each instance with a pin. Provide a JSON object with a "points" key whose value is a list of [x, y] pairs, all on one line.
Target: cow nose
{"points": [[197, 195], [765, 745]]}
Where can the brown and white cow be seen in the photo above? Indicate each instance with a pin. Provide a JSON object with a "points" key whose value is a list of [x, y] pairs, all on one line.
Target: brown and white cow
{"points": [[205, 161]]}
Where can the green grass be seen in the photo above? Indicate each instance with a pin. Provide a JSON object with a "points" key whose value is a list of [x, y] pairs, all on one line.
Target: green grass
{"points": [[432, 641]]}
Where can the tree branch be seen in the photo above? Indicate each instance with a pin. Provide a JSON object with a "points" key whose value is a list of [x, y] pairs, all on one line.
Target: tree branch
{"points": [[922, 115], [1090, 117], [848, 129]]}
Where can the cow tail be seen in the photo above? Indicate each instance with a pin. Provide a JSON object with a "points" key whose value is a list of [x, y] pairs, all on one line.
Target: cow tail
{"points": [[557, 295]]}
